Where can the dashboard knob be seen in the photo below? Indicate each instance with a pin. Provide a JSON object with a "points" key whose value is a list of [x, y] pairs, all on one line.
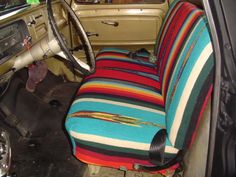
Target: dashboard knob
{"points": [[32, 22]]}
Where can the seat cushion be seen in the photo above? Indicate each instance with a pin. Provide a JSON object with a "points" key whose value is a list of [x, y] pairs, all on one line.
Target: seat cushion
{"points": [[110, 128]]}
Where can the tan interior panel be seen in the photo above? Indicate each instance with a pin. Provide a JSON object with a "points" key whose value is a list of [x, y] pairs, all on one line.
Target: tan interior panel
{"points": [[111, 35], [122, 25]]}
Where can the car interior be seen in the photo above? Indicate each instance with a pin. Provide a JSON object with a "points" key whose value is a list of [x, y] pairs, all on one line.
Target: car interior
{"points": [[105, 88]]}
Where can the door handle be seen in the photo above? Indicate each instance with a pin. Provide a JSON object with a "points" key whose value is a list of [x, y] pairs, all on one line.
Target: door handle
{"points": [[112, 23]]}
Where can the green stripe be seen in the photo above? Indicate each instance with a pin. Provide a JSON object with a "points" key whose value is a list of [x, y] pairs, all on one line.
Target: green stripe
{"points": [[113, 148]]}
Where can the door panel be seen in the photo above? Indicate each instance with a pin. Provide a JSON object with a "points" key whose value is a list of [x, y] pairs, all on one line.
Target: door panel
{"points": [[129, 25]]}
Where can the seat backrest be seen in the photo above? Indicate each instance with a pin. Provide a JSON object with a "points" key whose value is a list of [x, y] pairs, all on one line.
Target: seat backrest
{"points": [[179, 22], [185, 66]]}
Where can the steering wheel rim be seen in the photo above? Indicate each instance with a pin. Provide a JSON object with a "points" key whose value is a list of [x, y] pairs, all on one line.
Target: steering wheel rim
{"points": [[82, 34]]}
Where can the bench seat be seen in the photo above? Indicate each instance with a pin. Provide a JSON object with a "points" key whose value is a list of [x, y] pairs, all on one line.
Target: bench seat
{"points": [[119, 109]]}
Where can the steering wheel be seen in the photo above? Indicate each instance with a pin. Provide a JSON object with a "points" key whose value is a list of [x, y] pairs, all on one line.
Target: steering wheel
{"points": [[86, 69]]}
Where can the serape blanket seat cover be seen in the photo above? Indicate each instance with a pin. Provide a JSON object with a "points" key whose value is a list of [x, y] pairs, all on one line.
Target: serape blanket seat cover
{"points": [[121, 107]]}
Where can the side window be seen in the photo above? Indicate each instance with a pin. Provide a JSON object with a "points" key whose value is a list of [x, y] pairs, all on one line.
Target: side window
{"points": [[120, 1]]}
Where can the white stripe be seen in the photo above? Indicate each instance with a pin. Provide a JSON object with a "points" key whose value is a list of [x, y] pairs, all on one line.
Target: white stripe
{"points": [[120, 104], [110, 141], [116, 142], [182, 51], [171, 150], [188, 89]]}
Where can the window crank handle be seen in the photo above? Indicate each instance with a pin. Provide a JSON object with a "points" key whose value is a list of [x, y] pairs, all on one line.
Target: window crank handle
{"points": [[92, 34]]}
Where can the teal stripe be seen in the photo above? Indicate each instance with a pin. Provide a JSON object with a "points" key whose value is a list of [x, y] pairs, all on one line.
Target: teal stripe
{"points": [[129, 60], [109, 129], [121, 110], [190, 107], [199, 47], [193, 36], [143, 54], [113, 49], [112, 130]]}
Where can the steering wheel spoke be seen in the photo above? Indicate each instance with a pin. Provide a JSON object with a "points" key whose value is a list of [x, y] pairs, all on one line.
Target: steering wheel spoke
{"points": [[80, 62], [83, 67]]}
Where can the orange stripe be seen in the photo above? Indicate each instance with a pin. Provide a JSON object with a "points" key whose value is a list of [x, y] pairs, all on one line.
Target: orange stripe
{"points": [[142, 95], [120, 88]]}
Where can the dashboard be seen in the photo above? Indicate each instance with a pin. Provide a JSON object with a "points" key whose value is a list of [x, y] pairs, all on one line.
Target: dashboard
{"points": [[11, 39], [27, 31]]}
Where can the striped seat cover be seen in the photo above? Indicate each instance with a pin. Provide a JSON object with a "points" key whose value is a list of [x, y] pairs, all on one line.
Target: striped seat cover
{"points": [[120, 108]]}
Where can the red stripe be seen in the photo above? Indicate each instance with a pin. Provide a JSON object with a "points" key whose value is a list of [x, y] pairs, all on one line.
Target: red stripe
{"points": [[124, 76], [201, 114], [171, 34], [91, 157], [167, 23], [125, 65]]}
